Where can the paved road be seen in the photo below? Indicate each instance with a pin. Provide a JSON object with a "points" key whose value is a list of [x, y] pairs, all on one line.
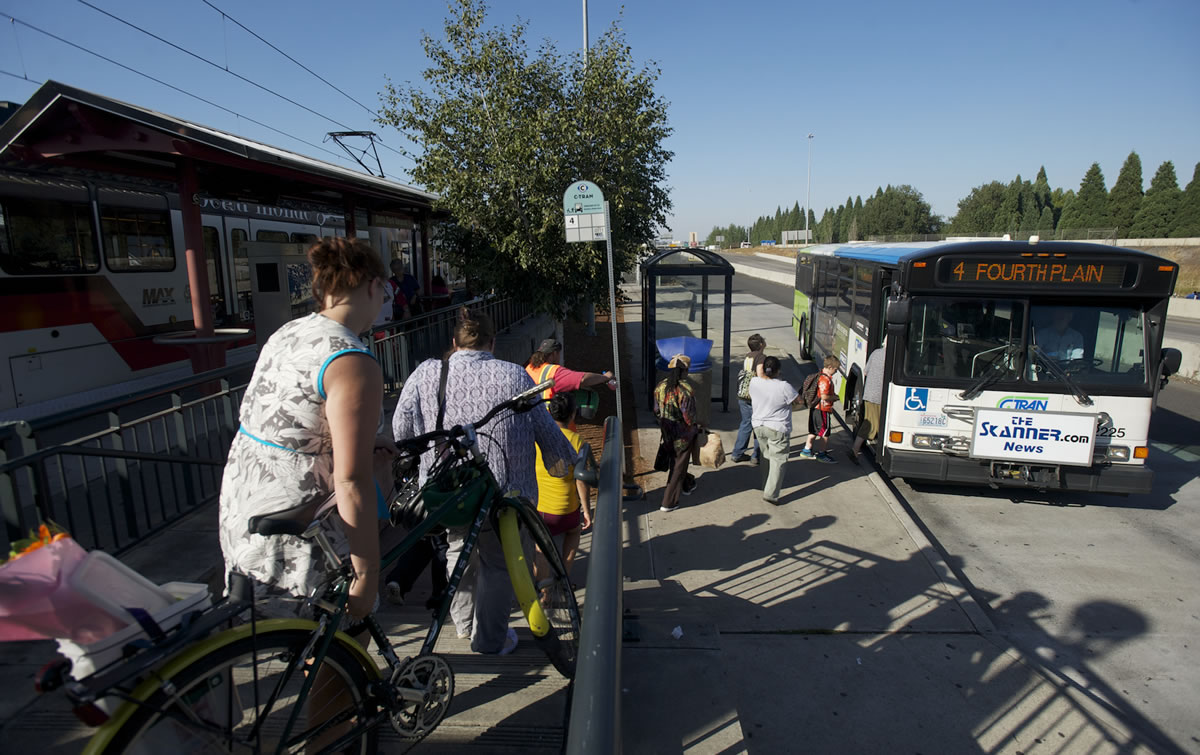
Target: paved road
{"points": [[1100, 588]]}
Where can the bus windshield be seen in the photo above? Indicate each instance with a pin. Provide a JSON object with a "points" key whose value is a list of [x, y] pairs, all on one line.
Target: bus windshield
{"points": [[1093, 344], [963, 339]]}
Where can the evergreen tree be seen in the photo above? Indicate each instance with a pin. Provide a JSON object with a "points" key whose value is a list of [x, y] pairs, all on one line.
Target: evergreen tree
{"points": [[1126, 196], [1045, 226], [1089, 209], [1041, 190], [1030, 213], [1156, 217], [1187, 220], [1008, 217]]}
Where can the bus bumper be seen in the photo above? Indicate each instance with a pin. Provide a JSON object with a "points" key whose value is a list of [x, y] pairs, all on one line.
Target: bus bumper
{"points": [[959, 469]]}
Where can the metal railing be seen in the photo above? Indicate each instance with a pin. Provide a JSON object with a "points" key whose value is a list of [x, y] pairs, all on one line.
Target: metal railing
{"points": [[115, 472], [401, 346], [595, 720]]}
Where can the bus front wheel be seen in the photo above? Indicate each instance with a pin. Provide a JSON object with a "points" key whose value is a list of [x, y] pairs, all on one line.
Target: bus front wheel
{"points": [[805, 340]]}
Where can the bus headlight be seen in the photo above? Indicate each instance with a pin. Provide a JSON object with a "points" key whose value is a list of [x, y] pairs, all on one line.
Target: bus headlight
{"points": [[1117, 453], [934, 442]]}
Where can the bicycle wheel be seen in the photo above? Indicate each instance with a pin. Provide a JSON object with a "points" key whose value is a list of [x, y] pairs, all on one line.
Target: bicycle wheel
{"points": [[234, 694], [555, 594]]}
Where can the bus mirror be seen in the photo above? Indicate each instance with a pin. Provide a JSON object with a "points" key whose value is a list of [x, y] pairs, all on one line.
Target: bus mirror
{"points": [[898, 311], [1171, 359]]}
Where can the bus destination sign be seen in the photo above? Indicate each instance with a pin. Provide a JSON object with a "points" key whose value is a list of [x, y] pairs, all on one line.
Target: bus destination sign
{"points": [[1056, 272]]}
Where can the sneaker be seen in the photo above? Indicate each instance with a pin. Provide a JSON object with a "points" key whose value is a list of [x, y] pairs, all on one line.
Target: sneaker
{"points": [[825, 457], [772, 501], [394, 596], [510, 642], [740, 458], [664, 508], [806, 453], [464, 635]]}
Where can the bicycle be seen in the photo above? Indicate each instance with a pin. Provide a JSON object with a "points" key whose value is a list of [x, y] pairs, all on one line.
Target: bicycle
{"points": [[251, 687]]}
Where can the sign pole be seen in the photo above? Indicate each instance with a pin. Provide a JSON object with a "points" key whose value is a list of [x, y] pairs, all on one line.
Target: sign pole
{"points": [[612, 312]]}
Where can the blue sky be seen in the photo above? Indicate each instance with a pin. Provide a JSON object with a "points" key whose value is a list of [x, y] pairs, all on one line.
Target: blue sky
{"points": [[940, 95]]}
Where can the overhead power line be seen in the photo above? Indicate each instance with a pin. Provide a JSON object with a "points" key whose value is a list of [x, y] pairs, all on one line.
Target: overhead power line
{"points": [[289, 57], [215, 65], [171, 86], [259, 37]]}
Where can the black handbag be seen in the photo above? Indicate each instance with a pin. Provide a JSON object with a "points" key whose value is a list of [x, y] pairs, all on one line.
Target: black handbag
{"points": [[665, 457]]}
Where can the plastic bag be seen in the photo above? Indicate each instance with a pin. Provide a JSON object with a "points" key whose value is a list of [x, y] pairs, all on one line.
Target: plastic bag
{"points": [[713, 452], [37, 602]]}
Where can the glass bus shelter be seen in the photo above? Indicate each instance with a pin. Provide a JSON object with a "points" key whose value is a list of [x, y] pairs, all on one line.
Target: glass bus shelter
{"points": [[676, 289]]}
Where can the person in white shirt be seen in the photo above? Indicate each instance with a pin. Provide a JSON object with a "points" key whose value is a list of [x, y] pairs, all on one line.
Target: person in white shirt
{"points": [[1060, 341], [772, 399]]}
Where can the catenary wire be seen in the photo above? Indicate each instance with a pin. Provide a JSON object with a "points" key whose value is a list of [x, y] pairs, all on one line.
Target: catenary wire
{"points": [[170, 86]]}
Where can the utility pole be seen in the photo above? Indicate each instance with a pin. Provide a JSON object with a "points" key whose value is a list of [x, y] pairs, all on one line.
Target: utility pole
{"points": [[808, 192]]}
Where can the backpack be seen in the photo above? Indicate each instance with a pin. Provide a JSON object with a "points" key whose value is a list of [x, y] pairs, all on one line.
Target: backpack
{"points": [[808, 393], [743, 382]]}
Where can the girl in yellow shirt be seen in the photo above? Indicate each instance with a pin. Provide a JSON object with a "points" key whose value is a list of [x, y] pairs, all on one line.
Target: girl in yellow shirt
{"points": [[563, 501]]}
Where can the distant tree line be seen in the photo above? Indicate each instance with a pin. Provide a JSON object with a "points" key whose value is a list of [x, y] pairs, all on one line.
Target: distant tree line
{"points": [[1019, 208]]}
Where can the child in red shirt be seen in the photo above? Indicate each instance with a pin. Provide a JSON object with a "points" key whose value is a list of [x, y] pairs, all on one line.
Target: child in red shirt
{"points": [[819, 425]]}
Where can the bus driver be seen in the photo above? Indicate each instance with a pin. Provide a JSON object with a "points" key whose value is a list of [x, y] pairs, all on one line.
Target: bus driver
{"points": [[1060, 341]]}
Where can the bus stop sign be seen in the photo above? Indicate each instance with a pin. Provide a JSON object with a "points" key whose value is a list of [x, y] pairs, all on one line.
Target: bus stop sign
{"points": [[583, 212]]}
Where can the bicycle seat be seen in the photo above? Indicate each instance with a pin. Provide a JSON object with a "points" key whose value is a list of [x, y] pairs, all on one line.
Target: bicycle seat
{"points": [[281, 523]]}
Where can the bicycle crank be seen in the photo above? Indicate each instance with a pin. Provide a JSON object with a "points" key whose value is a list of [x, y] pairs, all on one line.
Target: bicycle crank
{"points": [[423, 687]]}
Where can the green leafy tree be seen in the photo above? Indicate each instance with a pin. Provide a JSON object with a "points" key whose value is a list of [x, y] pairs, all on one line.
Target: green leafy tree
{"points": [[1126, 195], [977, 211], [1089, 209], [1187, 220], [504, 132], [1156, 217]]}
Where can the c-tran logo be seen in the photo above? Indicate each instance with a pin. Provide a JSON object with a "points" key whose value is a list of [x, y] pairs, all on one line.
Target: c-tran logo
{"points": [[1024, 403]]}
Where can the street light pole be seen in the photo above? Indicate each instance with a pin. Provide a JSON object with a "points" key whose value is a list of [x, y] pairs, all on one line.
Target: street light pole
{"points": [[808, 192]]}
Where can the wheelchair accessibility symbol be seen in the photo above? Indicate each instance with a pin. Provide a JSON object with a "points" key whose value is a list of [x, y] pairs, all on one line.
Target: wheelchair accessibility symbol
{"points": [[916, 399]]}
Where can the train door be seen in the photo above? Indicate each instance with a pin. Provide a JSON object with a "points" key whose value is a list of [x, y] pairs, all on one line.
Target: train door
{"points": [[237, 235], [217, 263]]}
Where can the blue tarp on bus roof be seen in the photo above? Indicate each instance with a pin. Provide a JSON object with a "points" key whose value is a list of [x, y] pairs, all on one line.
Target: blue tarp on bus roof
{"points": [[886, 253]]}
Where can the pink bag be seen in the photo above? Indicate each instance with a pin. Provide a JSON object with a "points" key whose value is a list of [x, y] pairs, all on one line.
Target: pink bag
{"points": [[37, 603]]}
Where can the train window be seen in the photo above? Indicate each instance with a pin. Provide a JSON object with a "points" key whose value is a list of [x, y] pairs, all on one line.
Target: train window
{"points": [[279, 237], [41, 236], [136, 229], [304, 238]]}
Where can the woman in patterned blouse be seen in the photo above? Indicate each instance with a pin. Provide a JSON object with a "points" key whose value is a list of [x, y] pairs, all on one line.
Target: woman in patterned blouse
{"points": [[675, 407]]}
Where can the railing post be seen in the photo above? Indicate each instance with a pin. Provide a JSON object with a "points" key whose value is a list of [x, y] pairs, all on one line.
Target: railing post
{"points": [[192, 481], [121, 467]]}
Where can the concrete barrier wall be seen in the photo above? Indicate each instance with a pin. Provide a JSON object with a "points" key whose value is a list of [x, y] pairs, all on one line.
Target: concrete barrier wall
{"points": [[1180, 307], [1189, 368]]}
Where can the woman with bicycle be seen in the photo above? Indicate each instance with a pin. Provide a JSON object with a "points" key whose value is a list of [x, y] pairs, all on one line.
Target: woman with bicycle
{"points": [[308, 430], [460, 390]]}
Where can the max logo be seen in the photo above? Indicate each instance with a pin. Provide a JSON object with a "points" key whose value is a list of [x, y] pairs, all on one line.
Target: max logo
{"points": [[1024, 403], [157, 297]]}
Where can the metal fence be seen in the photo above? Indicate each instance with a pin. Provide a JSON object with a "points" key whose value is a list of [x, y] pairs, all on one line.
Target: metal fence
{"points": [[115, 472]]}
